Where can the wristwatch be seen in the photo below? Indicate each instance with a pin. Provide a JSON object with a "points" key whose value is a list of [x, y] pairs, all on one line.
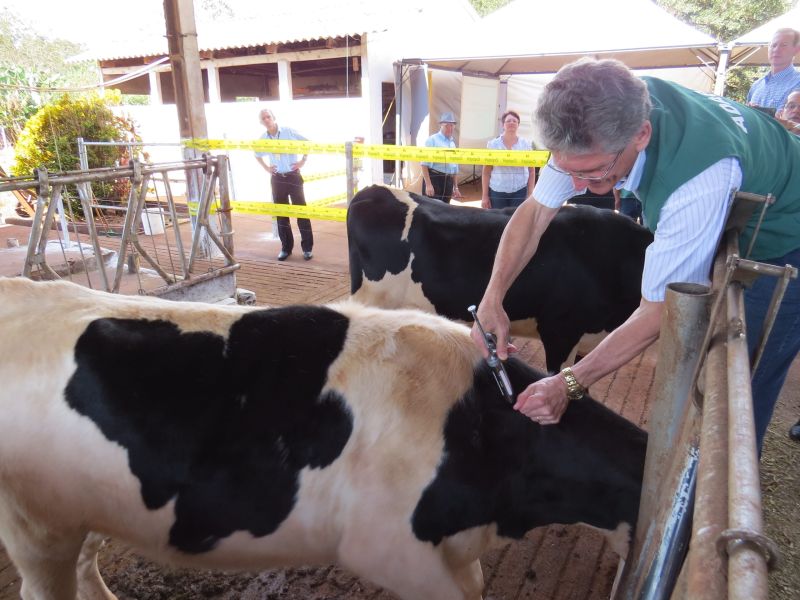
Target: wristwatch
{"points": [[575, 390]]}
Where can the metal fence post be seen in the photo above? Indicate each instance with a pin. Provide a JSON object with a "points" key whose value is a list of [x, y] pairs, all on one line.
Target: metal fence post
{"points": [[705, 574], [662, 532], [225, 202]]}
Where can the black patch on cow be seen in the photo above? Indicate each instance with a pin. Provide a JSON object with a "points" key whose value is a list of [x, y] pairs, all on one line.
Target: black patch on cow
{"points": [[223, 426], [500, 467], [584, 278]]}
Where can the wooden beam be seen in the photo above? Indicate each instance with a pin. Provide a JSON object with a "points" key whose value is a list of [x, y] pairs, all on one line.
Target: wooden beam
{"points": [[256, 59]]}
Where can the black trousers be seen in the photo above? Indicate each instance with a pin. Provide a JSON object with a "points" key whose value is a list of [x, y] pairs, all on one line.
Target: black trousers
{"points": [[442, 185], [286, 187]]}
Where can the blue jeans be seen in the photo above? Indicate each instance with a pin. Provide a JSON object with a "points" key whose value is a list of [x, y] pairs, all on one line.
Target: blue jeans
{"points": [[782, 346], [506, 199]]}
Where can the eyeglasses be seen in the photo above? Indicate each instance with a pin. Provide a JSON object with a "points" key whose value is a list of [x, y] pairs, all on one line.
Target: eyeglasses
{"points": [[584, 176]]}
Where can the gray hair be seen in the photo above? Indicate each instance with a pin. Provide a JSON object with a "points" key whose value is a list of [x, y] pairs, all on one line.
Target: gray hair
{"points": [[266, 111], [592, 106]]}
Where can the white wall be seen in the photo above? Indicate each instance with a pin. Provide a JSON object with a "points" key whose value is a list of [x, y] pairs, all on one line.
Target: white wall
{"points": [[320, 120]]}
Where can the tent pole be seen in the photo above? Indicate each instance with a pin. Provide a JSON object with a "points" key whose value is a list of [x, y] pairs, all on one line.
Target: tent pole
{"points": [[722, 67]]}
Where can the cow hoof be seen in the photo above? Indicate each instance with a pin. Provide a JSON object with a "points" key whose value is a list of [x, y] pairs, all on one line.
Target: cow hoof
{"points": [[794, 432], [307, 255], [283, 255]]}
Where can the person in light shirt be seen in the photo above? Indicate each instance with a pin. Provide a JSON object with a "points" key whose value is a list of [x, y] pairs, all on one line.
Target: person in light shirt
{"points": [[772, 90], [683, 154], [439, 179], [507, 186], [287, 184], [790, 114]]}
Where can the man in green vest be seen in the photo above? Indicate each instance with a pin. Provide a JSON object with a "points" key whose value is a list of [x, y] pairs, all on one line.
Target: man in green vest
{"points": [[682, 154]]}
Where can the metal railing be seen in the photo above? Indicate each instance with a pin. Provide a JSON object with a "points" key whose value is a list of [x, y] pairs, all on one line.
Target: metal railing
{"points": [[50, 188], [700, 530]]}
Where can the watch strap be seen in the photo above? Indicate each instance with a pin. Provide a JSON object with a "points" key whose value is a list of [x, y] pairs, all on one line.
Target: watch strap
{"points": [[575, 390]]}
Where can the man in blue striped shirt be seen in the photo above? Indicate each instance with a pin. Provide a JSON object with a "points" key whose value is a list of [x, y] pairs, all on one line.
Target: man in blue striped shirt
{"points": [[772, 90]]}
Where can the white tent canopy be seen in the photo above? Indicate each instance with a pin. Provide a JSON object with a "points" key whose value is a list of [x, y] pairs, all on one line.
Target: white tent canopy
{"points": [[540, 36], [751, 48], [519, 47]]}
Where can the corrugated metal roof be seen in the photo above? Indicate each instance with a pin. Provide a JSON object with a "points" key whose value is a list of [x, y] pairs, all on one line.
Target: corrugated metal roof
{"points": [[264, 23]]}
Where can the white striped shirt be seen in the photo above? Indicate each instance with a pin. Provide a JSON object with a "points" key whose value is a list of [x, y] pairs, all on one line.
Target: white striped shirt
{"points": [[689, 226]]}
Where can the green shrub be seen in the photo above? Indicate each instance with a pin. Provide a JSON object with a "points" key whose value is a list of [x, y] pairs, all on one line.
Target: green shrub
{"points": [[50, 139]]}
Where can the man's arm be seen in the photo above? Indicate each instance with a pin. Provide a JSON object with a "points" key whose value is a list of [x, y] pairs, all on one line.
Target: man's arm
{"points": [[531, 180], [517, 245], [300, 163], [683, 249], [546, 400], [265, 165], [427, 186], [486, 173]]}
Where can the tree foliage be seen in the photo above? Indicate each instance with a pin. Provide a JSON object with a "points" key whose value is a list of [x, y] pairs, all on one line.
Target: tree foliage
{"points": [[50, 138], [29, 61], [484, 7], [726, 20]]}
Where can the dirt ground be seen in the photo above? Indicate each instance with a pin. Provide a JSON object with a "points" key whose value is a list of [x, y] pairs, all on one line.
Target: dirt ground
{"points": [[551, 562]]}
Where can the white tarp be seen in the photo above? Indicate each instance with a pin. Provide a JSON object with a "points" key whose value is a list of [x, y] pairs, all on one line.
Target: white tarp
{"points": [[531, 39], [539, 36]]}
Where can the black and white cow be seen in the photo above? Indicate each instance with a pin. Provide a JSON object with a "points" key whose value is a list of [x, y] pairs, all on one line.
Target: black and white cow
{"points": [[232, 437], [410, 251]]}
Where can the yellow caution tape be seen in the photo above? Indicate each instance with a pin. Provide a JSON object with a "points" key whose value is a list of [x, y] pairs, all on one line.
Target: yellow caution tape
{"points": [[314, 210], [328, 200], [464, 156], [264, 207], [289, 210], [326, 175]]}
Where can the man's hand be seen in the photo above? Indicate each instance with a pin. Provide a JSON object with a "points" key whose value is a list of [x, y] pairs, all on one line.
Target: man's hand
{"points": [[427, 188], [495, 321], [457, 193], [544, 401], [485, 202]]}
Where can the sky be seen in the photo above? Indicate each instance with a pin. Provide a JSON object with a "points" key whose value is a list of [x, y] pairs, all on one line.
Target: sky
{"points": [[79, 20]]}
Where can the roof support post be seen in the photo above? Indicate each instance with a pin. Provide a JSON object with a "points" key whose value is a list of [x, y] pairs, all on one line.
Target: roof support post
{"points": [[722, 68], [184, 57]]}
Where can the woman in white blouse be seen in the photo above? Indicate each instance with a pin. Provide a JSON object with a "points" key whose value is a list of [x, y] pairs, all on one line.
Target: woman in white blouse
{"points": [[507, 186]]}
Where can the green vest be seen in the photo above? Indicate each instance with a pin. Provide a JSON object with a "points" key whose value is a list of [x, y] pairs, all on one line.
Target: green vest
{"points": [[693, 130]]}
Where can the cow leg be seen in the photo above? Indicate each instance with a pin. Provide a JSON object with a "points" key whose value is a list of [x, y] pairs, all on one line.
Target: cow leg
{"points": [[90, 584], [45, 559], [470, 580], [410, 571], [46, 565], [558, 344]]}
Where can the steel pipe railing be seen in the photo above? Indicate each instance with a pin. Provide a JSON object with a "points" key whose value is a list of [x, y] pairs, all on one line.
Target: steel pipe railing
{"points": [[662, 531], [50, 187]]}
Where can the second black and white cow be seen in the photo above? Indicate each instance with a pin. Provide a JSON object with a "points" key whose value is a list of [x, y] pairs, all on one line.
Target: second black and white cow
{"points": [[407, 250], [229, 437]]}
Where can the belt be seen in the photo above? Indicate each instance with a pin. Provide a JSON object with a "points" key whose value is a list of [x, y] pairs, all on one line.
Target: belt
{"points": [[285, 174], [441, 172]]}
